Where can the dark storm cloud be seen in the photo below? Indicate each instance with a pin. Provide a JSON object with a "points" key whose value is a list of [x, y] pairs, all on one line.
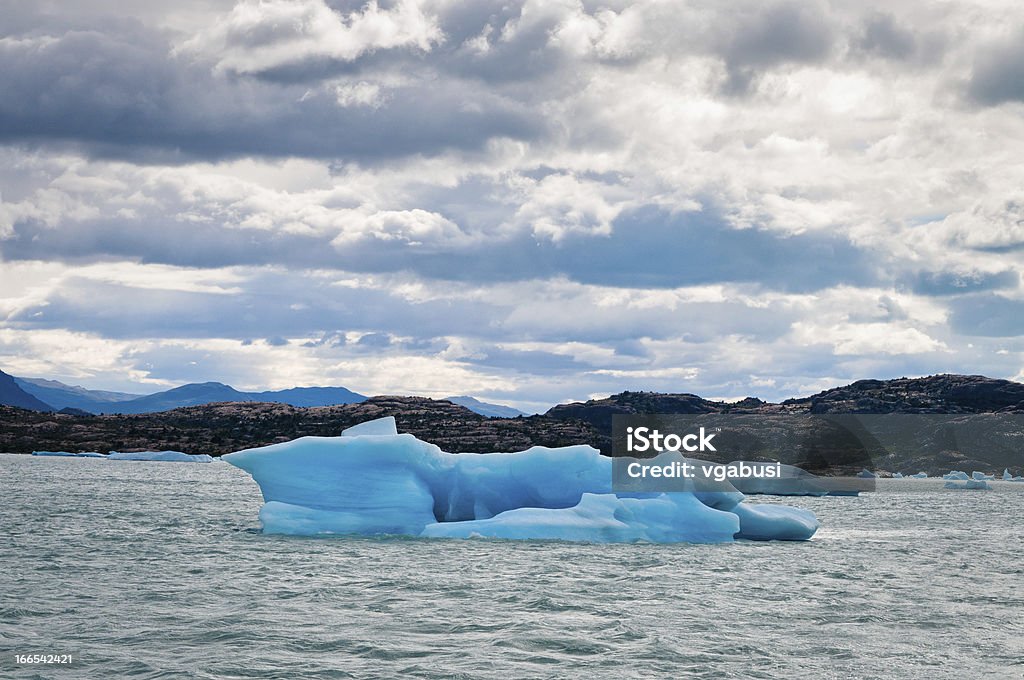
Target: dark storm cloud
{"points": [[125, 94], [998, 75]]}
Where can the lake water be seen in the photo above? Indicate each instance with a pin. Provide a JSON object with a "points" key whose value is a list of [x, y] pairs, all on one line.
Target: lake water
{"points": [[158, 570]]}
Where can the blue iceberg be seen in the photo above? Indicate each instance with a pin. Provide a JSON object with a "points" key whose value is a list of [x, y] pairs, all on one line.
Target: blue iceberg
{"points": [[956, 474], [372, 480], [1007, 477], [969, 484], [69, 454], [162, 456]]}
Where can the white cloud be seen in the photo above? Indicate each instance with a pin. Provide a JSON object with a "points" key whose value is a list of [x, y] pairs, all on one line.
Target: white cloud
{"points": [[258, 36]]}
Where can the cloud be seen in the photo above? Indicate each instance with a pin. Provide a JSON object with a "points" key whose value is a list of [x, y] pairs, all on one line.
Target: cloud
{"points": [[260, 36], [998, 73], [128, 96], [885, 37]]}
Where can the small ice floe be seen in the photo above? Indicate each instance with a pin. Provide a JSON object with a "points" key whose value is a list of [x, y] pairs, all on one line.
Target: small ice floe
{"points": [[955, 474], [981, 476], [973, 484], [69, 454], [920, 475], [1007, 477], [866, 474], [897, 475], [161, 456]]}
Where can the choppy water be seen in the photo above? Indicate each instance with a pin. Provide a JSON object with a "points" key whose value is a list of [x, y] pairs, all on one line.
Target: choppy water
{"points": [[156, 570]]}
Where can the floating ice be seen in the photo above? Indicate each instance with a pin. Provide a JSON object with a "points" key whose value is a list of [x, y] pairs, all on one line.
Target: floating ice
{"points": [[920, 475], [955, 474], [163, 456], [372, 481], [897, 475], [69, 454], [1007, 477], [866, 474], [967, 484], [793, 482], [381, 426], [981, 476]]}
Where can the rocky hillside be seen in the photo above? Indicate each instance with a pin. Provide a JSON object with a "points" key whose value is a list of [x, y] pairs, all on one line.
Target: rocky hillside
{"points": [[224, 427], [934, 394]]}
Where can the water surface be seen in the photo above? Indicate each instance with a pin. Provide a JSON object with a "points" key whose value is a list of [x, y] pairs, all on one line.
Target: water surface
{"points": [[158, 570]]}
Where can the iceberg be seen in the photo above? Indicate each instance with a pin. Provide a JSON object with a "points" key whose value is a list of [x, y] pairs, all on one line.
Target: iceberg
{"points": [[163, 456], [955, 474], [866, 474], [919, 475], [380, 426], [978, 484], [794, 481], [372, 480], [1007, 477], [897, 475], [69, 454], [981, 476]]}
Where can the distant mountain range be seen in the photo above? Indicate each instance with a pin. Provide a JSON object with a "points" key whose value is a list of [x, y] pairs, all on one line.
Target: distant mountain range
{"points": [[485, 409], [50, 395], [11, 394]]}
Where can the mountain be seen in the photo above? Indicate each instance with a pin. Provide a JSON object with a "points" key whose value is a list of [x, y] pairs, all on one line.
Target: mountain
{"points": [[310, 396], [224, 427], [196, 394], [486, 409], [12, 395], [192, 394], [934, 394], [60, 396]]}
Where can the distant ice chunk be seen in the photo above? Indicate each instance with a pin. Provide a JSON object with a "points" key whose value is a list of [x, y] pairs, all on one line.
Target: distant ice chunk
{"points": [[920, 475], [796, 481], [375, 483], [1007, 477], [956, 474], [381, 426], [163, 456], [866, 474], [69, 454], [897, 475], [967, 484], [981, 476]]}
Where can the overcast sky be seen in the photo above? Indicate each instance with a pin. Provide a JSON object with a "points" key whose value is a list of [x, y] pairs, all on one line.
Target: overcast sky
{"points": [[529, 202]]}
